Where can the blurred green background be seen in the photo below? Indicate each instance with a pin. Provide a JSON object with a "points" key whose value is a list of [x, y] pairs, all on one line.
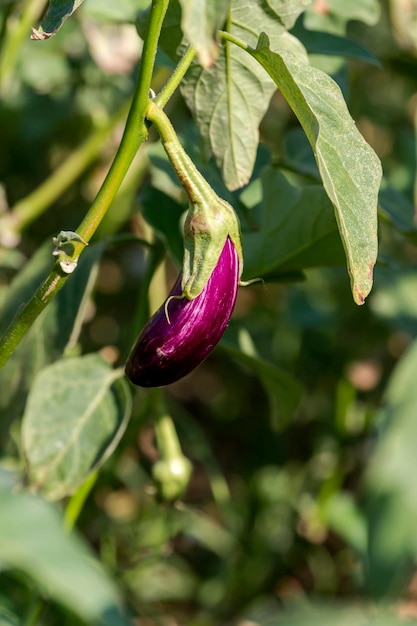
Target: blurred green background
{"points": [[284, 513]]}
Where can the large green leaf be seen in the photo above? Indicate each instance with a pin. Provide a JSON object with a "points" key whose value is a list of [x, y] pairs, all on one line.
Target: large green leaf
{"points": [[200, 21], [350, 169], [229, 99], [321, 42], [287, 11], [54, 329], [390, 482], [58, 11], [76, 413], [33, 541], [297, 227]]}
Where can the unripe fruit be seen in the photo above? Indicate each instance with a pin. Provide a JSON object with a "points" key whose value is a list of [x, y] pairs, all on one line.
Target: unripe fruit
{"points": [[181, 334]]}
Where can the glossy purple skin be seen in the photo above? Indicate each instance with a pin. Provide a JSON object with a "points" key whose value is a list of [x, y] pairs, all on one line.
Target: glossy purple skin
{"points": [[165, 352]]}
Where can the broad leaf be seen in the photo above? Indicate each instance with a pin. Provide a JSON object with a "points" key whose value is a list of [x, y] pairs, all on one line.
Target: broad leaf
{"points": [[58, 11], [200, 21], [226, 112], [321, 42], [33, 541], [54, 329], [287, 11], [297, 227], [230, 99], [350, 170], [76, 413], [391, 492]]}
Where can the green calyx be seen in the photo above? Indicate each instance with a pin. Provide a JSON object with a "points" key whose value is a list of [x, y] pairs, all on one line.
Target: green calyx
{"points": [[207, 226], [210, 219]]}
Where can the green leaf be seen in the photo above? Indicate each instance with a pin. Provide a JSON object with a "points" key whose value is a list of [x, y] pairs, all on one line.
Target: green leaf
{"points": [[200, 22], [297, 227], [227, 112], [58, 326], [283, 390], [287, 11], [229, 99], [33, 541], [390, 482], [58, 11], [76, 413], [321, 42], [350, 170]]}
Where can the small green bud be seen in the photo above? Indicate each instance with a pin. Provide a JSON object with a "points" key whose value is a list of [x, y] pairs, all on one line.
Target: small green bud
{"points": [[172, 477]]}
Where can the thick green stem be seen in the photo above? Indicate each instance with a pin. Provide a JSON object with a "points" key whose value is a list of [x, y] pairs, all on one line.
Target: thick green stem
{"points": [[135, 133], [27, 315]]}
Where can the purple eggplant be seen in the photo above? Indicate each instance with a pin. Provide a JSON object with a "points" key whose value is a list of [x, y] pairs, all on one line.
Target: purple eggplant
{"points": [[181, 334]]}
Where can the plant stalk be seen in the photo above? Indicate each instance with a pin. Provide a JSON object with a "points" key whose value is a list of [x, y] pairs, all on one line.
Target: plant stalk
{"points": [[15, 35], [196, 186], [33, 205], [176, 77], [134, 135]]}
